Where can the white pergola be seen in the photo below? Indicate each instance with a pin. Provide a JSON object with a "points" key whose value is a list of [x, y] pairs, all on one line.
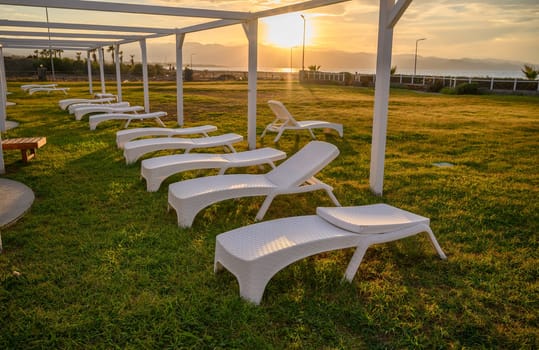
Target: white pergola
{"points": [[96, 37]]}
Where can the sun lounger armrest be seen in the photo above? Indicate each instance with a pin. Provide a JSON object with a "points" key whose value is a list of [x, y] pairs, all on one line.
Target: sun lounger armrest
{"points": [[313, 184]]}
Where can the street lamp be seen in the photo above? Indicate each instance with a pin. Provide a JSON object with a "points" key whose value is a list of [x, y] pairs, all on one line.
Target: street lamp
{"points": [[303, 51], [415, 57]]}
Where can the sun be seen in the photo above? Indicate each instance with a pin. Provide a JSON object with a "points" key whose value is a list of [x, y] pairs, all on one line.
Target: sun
{"points": [[286, 31]]}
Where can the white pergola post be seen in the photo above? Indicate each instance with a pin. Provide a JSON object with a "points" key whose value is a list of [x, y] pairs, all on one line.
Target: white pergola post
{"points": [[102, 69], [390, 13], [179, 77], [89, 65], [145, 75], [118, 73], [3, 93], [251, 30]]}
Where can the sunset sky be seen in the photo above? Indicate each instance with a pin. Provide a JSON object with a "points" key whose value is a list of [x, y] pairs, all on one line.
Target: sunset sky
{"points": [[453, 28]]}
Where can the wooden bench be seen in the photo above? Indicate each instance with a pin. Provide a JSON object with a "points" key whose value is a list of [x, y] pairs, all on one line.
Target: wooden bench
{"points": [[27, 145]]}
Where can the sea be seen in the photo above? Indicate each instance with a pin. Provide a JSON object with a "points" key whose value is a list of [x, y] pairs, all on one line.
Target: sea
{"points": [[369, 71]]}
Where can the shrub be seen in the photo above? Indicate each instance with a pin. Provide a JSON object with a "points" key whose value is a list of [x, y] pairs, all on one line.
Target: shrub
{"points": [[225, 77], [437, 86], [348, 78], [467, 89], [448, 91]]}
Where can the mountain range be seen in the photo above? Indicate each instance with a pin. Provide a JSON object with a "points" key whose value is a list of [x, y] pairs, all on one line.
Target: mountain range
{"points": [[215, 55]]}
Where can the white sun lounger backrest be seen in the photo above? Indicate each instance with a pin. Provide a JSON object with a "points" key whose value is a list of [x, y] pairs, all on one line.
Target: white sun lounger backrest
{"points": [[282, 114], [304, 164]]}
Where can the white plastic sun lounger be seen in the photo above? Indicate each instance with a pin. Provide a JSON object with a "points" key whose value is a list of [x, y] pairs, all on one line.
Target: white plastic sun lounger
{"points": [[99, 118], [76, 106], [285, 121], [27, 87], [124, 136], [255, 253], [64, 104], [103, 95], [294, 175], [33, 90], [156, 170], [102, 102], [121, 107], [133, 150]]}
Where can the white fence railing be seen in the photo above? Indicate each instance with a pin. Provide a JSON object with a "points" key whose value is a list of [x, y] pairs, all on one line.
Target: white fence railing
{"points": [[490, 83]]}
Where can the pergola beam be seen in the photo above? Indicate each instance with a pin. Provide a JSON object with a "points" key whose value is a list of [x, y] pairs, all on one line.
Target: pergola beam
{"points": [[256, 15], [129, 8], [207, 25], [35, 46], [77, 26], [19, 33], [307, 5], [56, 42], [396, 13]]}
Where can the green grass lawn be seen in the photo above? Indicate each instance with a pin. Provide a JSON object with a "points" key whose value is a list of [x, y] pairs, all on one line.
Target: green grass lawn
{"points": [[98, 262]]}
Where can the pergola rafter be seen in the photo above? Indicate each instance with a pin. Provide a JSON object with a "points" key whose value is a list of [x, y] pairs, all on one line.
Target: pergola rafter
{"points": [[389, 14], [130, 8], [79, 26], [117, 36]]}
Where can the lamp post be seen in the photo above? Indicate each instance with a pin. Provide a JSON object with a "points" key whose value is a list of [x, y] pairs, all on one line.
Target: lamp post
{"points": [[415, 57], [303, 50]]}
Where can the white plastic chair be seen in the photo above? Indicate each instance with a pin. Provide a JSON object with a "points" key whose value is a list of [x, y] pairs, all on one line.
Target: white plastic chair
{"points": [[285, 121], [295, 175], [255, 253]]}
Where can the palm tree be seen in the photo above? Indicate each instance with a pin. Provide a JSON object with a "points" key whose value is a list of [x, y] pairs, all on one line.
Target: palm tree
{"points": [[530, 72], [111, 50], [393, 70], [78, 53], [132, 60], [314, 68]]}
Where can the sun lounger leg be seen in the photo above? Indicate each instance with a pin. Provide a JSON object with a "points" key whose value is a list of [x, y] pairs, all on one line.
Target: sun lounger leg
{"points": [[252, 278], [435, 244], [278, 136], [312, 134], [264, 207], [332, 197], [160, 122], [354, 263], [263, 133]]}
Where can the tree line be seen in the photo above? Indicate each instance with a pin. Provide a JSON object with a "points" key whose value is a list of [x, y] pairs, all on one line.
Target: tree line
{"points": [[21, 66]]}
